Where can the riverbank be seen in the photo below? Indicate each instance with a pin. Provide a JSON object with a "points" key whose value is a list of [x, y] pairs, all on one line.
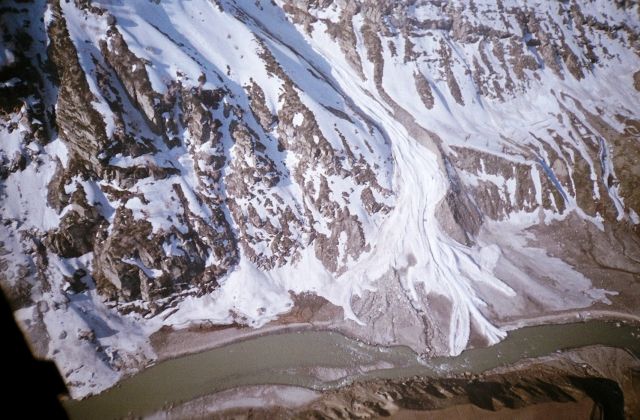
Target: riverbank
{"points": [[313, 313], [591, 382], [324, 361]]}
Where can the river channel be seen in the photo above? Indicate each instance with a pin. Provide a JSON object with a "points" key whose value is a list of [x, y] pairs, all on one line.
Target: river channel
{"points": [[295, 358]]}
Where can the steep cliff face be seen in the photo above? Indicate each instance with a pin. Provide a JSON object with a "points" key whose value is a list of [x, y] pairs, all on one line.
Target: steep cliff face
{"points": [[437, 170]]}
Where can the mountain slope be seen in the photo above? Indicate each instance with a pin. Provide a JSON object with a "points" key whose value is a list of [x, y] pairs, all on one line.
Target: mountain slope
{"points": [[438, 172]]}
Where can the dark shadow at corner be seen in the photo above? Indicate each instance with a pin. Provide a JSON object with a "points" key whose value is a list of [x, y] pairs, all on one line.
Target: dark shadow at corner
{"points": [[32, 387]]}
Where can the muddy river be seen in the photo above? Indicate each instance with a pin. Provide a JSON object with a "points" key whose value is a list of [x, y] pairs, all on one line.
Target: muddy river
{"points": [[322, 360]]}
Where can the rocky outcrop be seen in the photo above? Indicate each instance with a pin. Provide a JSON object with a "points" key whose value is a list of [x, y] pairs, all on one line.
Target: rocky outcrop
{"points": [[82, 126], [78, 227], [132, 73], [125, 146]]}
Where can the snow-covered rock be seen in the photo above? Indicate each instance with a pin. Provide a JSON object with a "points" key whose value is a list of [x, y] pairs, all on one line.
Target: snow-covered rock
{"points": [[438, 170]]}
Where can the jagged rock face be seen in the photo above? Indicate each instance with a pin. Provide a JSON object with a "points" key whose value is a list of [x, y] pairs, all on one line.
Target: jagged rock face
{"points": [[135, 141], [425, 165]]}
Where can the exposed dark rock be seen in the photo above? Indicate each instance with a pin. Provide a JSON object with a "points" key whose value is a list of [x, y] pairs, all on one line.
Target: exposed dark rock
{"points": [[133, 75], [78, 228], [81, 125]]}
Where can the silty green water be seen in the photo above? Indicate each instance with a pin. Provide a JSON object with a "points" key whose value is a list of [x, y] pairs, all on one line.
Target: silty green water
{"points": [[287, 358]]}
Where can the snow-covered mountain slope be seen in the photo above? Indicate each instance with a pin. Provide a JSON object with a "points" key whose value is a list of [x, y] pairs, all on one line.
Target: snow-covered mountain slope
{"points": [[437, 170]]}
